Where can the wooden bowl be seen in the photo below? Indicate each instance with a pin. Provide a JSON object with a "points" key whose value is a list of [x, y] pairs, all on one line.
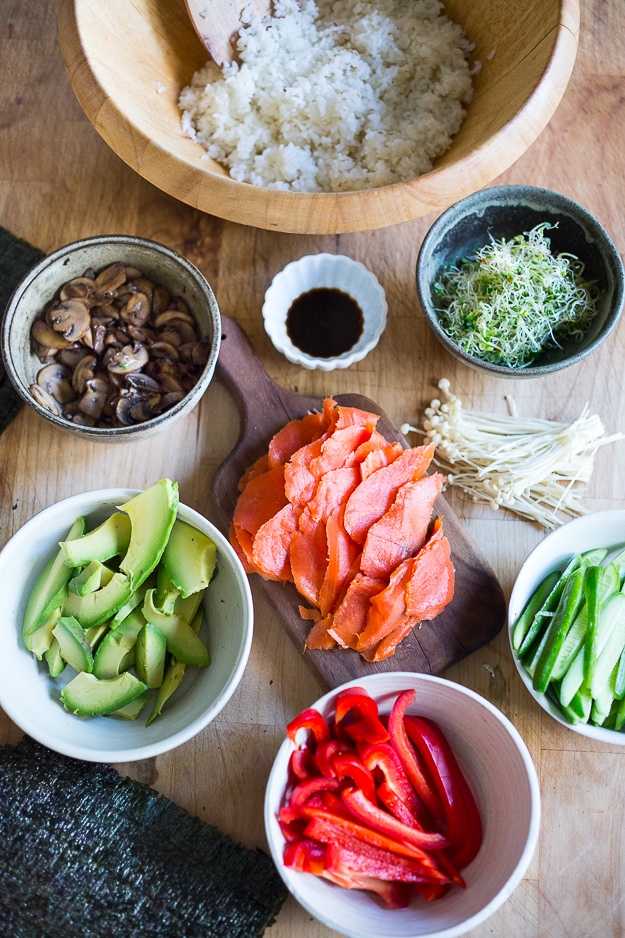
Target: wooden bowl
{"points": [[128, 61]]}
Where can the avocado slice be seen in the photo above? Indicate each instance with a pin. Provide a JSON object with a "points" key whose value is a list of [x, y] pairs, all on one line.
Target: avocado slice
{"points": [[116, 650], [187, 608], [88, 580], [166, 593], [95, 608], [50, 589], [54, 659], [88, 696], [150, 654], [174, 673], [95, 634], [75, 647], [39, 642], [135, 599], [109, 539], [189, 557], [152, 514], [182, 642], [132, 710]]}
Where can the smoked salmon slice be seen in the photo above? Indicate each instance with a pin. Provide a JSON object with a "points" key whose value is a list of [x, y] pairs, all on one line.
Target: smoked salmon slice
{"points": [[308, 555], [333, 489], [378, 491], [299, 481], [350, 615], [386, 647], [402, 531], [379, 457], [259, 501], [294, 435], [270, 547], [257, 468], [431, 584], [342, 555], [338, 448], [319, 637], [387, 609]]}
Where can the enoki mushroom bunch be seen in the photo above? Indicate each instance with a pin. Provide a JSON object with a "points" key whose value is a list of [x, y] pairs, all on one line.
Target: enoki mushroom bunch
{"points": [[525, 464]]}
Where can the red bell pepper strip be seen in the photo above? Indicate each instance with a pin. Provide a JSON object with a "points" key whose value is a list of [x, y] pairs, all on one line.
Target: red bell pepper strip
{"points": [[352, 828], [357, 716], [292, 830], [302, 792], [350, 766], [310, 720], [308, 856], [463, 823], [400, 741], [327, 833], [382, 758], [302, 765], [431, 891], [326, 751], [380, 820], [344, 859], [395, 895], [398, 808]]}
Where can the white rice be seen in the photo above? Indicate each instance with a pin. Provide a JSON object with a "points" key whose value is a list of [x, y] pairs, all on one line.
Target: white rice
{"points": [[334, 96]]}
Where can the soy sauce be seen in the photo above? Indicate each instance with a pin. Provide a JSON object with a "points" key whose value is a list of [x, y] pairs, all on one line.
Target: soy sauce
{"points": [[324, 322]]}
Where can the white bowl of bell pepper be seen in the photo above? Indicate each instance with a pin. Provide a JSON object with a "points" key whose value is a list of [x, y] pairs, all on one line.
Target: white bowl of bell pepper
{"points": [[402, 805]]}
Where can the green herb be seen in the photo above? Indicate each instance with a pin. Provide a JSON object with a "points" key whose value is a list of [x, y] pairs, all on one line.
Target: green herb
{"points": [[513, 299]]}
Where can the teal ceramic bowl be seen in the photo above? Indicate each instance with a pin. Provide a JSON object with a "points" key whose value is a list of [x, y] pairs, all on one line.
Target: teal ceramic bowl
{"points": [[506, 211]]}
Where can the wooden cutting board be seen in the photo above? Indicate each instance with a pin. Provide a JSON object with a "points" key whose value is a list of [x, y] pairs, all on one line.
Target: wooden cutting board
{"points": [[477, 611]]}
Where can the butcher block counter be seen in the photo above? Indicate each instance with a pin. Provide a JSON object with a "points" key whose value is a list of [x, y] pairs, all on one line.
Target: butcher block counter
{"points": [[59, 182]]}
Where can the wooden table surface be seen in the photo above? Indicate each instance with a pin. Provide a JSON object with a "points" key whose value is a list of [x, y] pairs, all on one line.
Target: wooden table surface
{"points": [[59, 182]]}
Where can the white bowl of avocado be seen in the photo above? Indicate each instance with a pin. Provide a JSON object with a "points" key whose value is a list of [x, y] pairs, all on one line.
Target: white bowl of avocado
{"points": [[127, 624]]}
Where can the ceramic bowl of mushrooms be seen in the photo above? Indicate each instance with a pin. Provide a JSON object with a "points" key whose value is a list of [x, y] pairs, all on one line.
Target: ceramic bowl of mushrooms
{"points": [[112, 338]]}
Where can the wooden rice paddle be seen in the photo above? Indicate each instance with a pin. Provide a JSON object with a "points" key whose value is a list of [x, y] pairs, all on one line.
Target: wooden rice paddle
{"points": [[217, 23], [475, 614]]}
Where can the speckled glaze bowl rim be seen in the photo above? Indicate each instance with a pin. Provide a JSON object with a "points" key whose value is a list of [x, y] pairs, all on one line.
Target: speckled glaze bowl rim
{"points": [[148, 427], [528, 196], [376, 314]]}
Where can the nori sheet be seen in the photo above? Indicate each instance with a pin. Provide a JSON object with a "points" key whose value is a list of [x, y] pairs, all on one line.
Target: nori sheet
{"points": [[16, 259], [87, 852]]}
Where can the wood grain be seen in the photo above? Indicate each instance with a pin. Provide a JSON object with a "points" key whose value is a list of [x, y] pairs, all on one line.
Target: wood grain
{"points": [[128, 62], [60, 181], [477, 611]]}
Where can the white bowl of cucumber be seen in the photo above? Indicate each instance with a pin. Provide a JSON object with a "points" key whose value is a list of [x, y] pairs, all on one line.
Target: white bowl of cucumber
{"points": [[127, 624], [567, 625]]}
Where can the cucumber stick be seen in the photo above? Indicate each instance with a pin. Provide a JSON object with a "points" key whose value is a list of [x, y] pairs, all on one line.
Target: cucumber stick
{"points": [[524, 622], [549, 606], [607, 659], [610, 584], [611, 614], [568, 608], [592, 591]]}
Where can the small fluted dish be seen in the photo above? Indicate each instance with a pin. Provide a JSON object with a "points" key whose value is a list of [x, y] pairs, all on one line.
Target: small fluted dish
{"points": [[325, 272]]}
